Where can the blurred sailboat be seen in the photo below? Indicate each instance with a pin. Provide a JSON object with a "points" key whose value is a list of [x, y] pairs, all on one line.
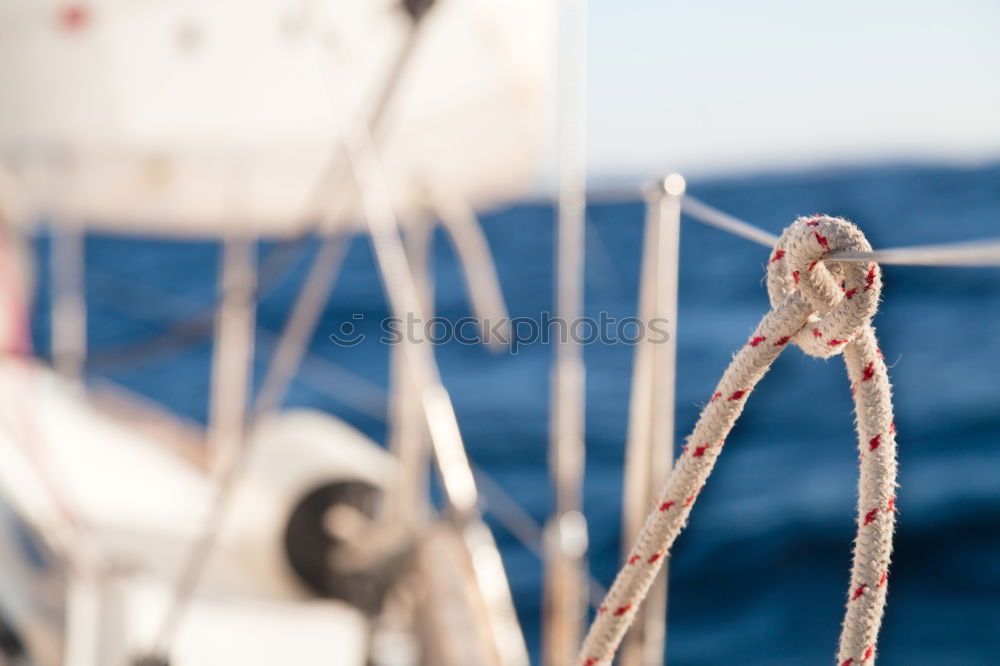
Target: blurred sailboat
{"points": [[272, 537]]}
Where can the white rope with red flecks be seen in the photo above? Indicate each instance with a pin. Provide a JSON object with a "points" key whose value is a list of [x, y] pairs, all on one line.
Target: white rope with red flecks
{"points": [[824, 307]]}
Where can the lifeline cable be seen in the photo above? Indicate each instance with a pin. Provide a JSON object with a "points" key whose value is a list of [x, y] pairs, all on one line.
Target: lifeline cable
{"points": [[984, 252], [825, 307]]}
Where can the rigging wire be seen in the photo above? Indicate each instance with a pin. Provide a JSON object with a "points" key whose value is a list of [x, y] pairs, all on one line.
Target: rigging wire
{"points": [[976, 253], [713, 217], [985, 252]]}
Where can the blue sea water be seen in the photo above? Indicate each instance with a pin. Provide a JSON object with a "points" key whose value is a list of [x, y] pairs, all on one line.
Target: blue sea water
{"points": [[760, 576]]}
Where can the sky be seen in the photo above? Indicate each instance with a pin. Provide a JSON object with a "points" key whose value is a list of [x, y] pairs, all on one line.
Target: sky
{"points": [[728, 86]]}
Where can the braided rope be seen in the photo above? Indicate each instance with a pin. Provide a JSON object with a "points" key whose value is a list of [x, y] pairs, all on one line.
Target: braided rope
{"points": [[825, 308]]}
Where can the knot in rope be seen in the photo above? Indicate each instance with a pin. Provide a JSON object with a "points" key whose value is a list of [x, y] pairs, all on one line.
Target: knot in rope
{"points": [[842, 296], [825, 307]]}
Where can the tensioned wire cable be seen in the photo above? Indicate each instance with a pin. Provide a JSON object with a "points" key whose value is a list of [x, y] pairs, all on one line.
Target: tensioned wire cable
{"points": [[972, 253]]}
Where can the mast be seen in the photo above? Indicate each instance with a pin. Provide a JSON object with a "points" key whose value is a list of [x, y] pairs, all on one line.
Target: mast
{"points": [[566, 538]]}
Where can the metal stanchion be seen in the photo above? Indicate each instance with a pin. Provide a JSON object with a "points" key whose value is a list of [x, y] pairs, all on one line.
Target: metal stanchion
{"points": [[650, 449]]}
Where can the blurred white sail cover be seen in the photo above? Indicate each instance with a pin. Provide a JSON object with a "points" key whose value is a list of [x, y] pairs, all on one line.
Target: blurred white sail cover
{"points": [[204, 117]]}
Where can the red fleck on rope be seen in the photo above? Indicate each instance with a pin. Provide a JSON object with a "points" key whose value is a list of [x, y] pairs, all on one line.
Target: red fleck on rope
{"points": [[810, 309]]}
